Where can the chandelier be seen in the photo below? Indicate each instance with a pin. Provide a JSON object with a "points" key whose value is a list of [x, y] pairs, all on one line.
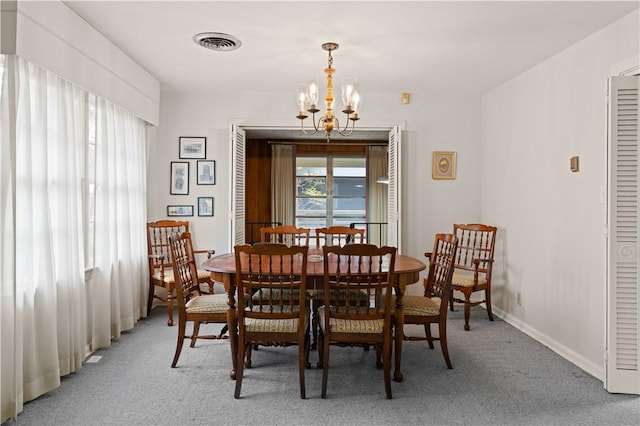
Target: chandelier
{"points": [[307, 100]]}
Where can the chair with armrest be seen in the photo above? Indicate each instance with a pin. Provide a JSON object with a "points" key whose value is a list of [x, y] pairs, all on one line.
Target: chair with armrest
{"points": [[432, 307], [192, 305], [473, 266], [348, 320], [160, 272], [338, 236], [262, 270], [285, 234]]}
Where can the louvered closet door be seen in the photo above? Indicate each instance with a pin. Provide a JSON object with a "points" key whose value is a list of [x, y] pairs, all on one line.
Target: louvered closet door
{"points": [[393, 205], [238, 156], [623, 346]]}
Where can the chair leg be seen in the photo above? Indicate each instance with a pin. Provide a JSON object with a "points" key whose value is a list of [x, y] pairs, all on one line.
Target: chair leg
{"points": [[487, 298], [302, 365], [196, 331], [307, 346], [387, 368], [240, 368], [427, 332], [314, 324], [443, 343], [181, 332], [320, 350], [170, 306], [247, 356], [152, 287], [467, 311], [451, 301], [325, 366]]}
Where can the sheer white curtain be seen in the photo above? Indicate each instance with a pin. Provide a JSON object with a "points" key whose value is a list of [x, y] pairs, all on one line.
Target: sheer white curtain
{"points": [[49, 317], [9, 337], [378, 194], [282, 184], [118, 283], [48, 326]]}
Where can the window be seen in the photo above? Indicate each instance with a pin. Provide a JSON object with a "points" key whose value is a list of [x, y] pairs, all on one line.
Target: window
{"points": [[330, 190], [90, 184]]}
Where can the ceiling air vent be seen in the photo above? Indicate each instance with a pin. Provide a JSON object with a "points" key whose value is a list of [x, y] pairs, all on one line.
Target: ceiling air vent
{"points": [[217, 41]]}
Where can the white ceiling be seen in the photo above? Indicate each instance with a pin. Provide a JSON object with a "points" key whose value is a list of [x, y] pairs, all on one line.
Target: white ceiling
{"points": [[416, 47]]}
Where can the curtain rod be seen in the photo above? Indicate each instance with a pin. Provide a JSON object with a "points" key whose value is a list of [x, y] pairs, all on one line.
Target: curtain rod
{"points": [[372, 143]]}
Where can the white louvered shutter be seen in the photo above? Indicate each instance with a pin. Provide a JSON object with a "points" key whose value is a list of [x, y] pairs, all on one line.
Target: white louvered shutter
{"points": [[623, 346], [238, 156], [393, 215]]}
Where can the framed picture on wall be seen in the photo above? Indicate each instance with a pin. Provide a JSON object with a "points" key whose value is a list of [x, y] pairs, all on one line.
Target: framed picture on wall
{"points": [[181, 210], [179, 178], [192, 147], [206, 172], [205, 206], [444, 165]]}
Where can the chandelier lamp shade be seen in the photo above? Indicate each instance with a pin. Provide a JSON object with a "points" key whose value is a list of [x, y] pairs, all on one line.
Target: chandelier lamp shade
{"points": [[307, 100]]}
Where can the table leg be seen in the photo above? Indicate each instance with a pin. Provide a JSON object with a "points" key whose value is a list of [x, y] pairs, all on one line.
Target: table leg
{"points": [[232, 323], [399, 335]]}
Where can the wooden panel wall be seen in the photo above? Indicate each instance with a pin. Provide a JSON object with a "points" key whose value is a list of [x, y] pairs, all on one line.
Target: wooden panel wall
{"points": [[258, 187]]}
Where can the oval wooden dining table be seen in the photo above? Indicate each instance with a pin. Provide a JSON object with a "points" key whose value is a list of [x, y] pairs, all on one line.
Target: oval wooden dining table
{"points": [[406, 271]]}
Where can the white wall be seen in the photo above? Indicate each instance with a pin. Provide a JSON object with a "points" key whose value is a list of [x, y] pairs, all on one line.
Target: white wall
{"points": [[551, 247], [433, 122]]}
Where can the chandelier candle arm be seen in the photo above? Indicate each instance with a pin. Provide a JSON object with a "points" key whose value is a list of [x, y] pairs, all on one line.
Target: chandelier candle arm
{"points": [[307, 98]]}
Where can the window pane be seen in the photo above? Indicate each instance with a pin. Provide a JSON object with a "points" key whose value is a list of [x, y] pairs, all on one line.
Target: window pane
{"points": [[349, 187], [311, 207], [346, 221], [350, 166], [311, 166], [351, 206], [311, 223], [311, 187]]}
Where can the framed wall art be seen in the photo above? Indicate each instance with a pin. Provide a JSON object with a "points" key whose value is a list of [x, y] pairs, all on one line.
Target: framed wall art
{"points": [[205, 206], [192, 147], [206, 172], [179, 178], [181, 210], [444, 165]]}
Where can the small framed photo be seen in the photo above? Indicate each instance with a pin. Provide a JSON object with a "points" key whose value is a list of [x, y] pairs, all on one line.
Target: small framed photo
{"points": [[192, 147], [182, 210], [444, 165], [206, 172], [205, 206], [179, 178]]}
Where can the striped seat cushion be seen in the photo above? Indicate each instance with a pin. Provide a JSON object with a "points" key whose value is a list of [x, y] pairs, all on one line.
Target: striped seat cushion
{"points": [[341, 296], [418, 305], [276, 294], [169, 278], [339, 325], [208, 303], [258, 325], [465, 279]]}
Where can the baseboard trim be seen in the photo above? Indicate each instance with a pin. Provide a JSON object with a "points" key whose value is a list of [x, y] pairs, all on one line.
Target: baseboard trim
{"points": [[596, 371]]}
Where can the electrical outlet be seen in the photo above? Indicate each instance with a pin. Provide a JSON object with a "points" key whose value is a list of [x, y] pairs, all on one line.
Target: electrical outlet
{"points": [[518, 299]]}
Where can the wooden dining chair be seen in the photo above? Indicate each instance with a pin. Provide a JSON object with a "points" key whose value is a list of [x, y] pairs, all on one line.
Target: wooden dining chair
{"points": [[473, 266], [159, 258], [192, 304], [285, 234], [262, 270], [331, 236], [432, 306], [348, 320], [338, 236]]}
